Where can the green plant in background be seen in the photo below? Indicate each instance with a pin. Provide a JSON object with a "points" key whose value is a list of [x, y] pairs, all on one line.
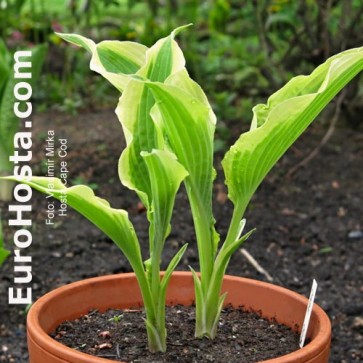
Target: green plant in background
{"points": [[169, 128], [9, 123], [258, 43], [81, 180], [4, 253]]}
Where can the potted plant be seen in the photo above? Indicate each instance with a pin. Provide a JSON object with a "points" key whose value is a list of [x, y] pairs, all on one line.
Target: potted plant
{"points": [[169, 128]]}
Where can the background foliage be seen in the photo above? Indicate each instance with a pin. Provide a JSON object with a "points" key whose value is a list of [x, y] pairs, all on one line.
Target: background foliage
{"points": [[239, 50]]}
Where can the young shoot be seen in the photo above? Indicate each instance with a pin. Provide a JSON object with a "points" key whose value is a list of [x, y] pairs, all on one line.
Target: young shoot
{"points": [[116, 318], [169, 129]]}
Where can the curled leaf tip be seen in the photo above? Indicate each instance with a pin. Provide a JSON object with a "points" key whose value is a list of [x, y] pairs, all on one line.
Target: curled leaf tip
{"points": [[176, 31]]}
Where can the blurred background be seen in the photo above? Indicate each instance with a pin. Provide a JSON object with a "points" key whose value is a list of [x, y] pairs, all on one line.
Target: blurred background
{"points": [[239, 51]]}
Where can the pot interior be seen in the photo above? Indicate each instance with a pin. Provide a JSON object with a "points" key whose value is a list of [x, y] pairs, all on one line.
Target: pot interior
{"points": [[121, 291], [271, 301]]}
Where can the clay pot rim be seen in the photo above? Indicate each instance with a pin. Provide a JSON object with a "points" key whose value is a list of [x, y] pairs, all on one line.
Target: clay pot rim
{"points": [[45, 341]]}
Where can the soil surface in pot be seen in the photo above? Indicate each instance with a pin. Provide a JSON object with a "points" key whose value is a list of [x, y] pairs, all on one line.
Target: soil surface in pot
{"points": [[243, 337], [308, 226]]}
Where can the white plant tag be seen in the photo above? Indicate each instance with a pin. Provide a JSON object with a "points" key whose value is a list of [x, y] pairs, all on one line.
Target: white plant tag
{"points": [[308, 314]]}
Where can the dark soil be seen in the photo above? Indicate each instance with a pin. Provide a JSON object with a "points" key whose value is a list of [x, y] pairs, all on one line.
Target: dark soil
{"points": [[243, 337], [308, 226]]}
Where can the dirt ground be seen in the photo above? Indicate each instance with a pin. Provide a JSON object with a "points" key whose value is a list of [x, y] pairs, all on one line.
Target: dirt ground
{"points": [[308, 226]]}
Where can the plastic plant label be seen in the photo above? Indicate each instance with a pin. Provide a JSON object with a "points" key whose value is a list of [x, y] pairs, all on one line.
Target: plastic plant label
{"points": [[308, 314]]}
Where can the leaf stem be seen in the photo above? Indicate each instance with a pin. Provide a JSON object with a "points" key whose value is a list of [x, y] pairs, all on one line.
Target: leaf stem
{"points": [[204, 236], [233, 230]]}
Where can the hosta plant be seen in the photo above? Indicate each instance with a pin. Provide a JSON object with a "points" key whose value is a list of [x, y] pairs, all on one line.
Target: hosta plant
{"points": [[169, 129]]}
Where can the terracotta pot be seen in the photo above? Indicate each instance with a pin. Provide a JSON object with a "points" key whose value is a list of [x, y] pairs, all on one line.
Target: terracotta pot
{"points": [[121, 291]]}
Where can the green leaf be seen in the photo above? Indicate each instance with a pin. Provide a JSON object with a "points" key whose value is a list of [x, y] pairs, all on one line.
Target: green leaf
{"points": [[213, 331], [165, 282], [114, 222], [121, 57], [79, 41], [200, 305], [182, 80], [145, 161], [225, 254], [39, 54], [156, 344], [170, 269], [4, 66], [141, 135], [163, 59], [4, 253], [184, 118], [276, 125], [166, 174], [114, 60], [133, 111], [212, 300]]}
